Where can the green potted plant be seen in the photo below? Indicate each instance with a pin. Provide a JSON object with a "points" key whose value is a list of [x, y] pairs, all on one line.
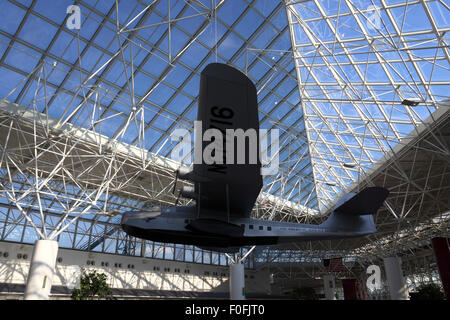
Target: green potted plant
{"points": [[93, 285]]}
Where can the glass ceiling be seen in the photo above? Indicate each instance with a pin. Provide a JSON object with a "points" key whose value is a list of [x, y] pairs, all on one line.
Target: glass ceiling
{"points": [[330, 75], [357, 61]]}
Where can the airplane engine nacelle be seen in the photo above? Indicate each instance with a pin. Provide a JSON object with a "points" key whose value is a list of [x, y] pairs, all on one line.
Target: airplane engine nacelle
{"points": [[188, 192], [216, 227], [184, 173]]}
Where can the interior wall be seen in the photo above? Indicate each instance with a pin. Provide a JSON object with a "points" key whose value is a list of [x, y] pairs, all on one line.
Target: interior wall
{"points": [[125, 272]]}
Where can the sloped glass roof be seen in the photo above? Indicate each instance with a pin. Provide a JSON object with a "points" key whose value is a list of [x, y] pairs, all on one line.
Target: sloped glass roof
{"points": [[136, 78], [369, 72], [330, 75]]}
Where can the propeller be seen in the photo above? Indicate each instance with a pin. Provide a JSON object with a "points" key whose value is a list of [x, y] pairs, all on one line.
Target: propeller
{"points": [[178, 198], [177, 172], [175, 182], [184, 174]]}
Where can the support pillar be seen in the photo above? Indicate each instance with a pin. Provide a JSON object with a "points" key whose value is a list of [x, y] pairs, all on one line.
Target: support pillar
{"points": [[396, 282], [329, 287], [237, 281], [42, 268], [350, 287], [442, 254], [362, 290]]}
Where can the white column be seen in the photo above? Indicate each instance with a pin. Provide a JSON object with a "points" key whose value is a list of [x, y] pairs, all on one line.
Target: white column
{"points": [[396, 282], [329, 287], [237, 281], [42, 268]]}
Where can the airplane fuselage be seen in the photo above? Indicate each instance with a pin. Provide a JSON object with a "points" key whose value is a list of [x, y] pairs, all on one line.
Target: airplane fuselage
{"points": [[172, 225]]}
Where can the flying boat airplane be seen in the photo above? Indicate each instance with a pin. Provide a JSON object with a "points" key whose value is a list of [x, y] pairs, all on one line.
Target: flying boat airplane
{"points": [[225, 193]]}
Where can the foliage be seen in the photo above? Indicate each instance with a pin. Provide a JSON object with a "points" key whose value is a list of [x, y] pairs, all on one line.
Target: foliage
{"points": [[429, 291], [303, 293], [93, 285]]}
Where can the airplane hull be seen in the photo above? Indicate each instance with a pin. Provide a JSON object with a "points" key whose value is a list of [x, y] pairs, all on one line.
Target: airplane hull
{"points": [[197, 239], [179, 225]]}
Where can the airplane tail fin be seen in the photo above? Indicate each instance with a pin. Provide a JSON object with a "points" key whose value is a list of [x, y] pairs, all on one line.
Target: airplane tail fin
{"points": [[366, 202], [353, 212]]}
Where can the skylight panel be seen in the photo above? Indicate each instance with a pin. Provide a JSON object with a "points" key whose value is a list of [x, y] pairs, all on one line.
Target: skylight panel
{"points": [[63, 104], [321, 30], [102, 6], [10, 17], [107, 39], [37, 32], [163, 122], [66, 47], [411, 18], [179, 104], [93, 59], [155, 65], [90, 22], [249, 24], [439, 13], [10, 80], [307, 10], [178, 41], [150, 138], [161, 94], [54, 10], [142, 83], [231, 10], [193, 55], [230, 45], [259, 69]]}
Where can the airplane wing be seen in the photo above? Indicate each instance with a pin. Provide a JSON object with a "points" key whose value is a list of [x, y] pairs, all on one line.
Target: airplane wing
{"points": [[227, 100]]}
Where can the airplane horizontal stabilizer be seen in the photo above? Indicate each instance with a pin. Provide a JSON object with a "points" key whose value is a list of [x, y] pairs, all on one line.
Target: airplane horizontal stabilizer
{"points": [[221, 249], [366, 202]]}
